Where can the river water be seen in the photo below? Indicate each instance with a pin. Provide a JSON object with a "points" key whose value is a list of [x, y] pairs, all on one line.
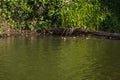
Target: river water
{"points": [[49, 58]]}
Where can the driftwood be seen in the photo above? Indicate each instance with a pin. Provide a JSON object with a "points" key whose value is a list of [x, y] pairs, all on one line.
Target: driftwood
{"points": [[105, 34], [63, 32], [79, 32]]}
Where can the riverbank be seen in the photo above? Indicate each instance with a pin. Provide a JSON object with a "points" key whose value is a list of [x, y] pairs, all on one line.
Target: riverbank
{"points": [[61, 32], [38, 15]]}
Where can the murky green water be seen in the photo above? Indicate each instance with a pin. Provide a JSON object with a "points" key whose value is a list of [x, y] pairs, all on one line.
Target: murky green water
{"points": [[58, 59]]}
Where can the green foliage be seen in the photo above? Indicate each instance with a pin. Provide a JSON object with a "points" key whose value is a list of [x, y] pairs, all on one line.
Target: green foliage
{"points": [[44, 14], [112, 21], [83, 14], [1, 30]]}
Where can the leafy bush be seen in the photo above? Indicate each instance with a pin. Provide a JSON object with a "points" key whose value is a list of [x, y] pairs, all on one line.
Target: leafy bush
{"points": [[83, 14], [44, 14]]}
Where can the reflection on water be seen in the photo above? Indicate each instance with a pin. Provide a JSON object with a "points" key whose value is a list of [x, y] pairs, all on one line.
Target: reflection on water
{"points": [[56, 59]]}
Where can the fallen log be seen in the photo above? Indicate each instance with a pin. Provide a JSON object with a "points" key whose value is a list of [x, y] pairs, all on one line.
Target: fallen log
{"points": [[64, 32], [105, 34], [79, 32]]}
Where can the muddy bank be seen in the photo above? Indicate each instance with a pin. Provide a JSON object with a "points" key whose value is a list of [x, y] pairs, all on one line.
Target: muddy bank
{"points": [[15, 33], [62, 32]]}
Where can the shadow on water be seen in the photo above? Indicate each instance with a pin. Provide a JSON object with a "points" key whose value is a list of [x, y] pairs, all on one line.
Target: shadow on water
{"points": [[56, 59]]}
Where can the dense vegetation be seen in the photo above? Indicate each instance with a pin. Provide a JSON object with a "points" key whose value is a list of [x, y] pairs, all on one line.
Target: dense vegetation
{"points": [[45, 14]]}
